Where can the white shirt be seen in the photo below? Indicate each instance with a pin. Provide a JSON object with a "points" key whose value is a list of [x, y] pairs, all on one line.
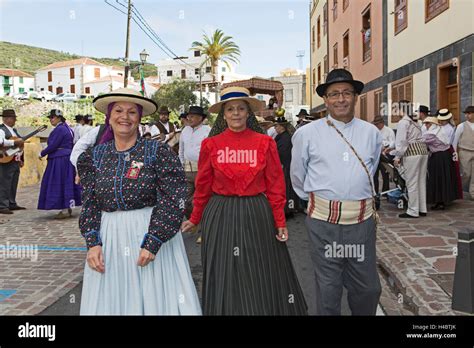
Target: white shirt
{"points": [[5, 142], [156, 131], [77, 132], [323, 163], [459, 131], [84, 130], [388, 137], [272, 132], [83, 144], [190, 142], [408, 132], [448, 129]]}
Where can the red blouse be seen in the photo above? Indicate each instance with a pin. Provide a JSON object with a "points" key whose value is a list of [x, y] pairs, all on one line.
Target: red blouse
{"points": [[240, 164]]}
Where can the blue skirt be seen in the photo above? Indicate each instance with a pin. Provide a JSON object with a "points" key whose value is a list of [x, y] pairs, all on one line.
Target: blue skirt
{"points": [[58, 190], [163, 287]]}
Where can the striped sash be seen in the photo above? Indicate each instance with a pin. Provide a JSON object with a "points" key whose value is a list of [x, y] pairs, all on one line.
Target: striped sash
{"points": [[339, 212], [416, 149]]}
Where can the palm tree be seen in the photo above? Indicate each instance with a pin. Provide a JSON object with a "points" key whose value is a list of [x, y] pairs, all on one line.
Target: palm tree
{"points": [[215, 48]]}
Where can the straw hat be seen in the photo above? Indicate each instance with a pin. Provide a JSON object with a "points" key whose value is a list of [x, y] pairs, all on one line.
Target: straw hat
{"points": [[237, 93], [444, 115], [125, 95], [431, 119]]}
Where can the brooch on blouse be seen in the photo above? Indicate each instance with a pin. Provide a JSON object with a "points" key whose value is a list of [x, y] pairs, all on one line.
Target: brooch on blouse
{"points": [[134, 170]]}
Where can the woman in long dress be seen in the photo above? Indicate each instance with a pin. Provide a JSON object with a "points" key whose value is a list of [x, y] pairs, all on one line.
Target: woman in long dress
{"points": [[239, 201], [134, 194], [58, 190]]}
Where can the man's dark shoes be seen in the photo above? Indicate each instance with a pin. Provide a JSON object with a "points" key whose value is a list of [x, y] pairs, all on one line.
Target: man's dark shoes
{"points": [[405, 216], [423, 214], [5, 211], [17, 208]]}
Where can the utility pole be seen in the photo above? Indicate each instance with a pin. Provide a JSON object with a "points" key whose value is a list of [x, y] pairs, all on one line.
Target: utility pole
{"points": [[127, 61]]}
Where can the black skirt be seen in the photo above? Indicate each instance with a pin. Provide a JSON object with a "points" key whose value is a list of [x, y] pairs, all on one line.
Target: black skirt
{"points": [[441, 185], [246, 270]]}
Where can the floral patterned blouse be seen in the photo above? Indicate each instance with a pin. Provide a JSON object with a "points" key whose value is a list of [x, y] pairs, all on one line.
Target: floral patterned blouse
{"points": [[147, 175]]}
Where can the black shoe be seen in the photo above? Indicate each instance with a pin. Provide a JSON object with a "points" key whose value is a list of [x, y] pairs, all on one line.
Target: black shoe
{"points": [[423, 214], [406, 215], [5, 211], [17, 208]]}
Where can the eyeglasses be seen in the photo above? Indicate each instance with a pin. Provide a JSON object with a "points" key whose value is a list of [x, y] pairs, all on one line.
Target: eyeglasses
{"points": [[336, 95]]}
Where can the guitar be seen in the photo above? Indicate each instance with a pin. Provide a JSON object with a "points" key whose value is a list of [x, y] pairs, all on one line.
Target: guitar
{"points": [[8, 154]]}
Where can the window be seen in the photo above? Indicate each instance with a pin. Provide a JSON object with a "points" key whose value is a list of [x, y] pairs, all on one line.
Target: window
{"points": [[325, 19], [71, 73], [326, 65], [345, 45], [334, 10], [289, 95], [319, 31], [314, 78], [197, 53], [363, 107], [50, 88], [169, 73], [345, 4], [401, 90], [21, 90], [401, 13], [334, 52], [366, 35], [434, 8], [208, 69], [196, 71], [21, 79], [312, 38], [378, 103], [88, 90], [183, 73], [97, 73], [319, 74], [50, 76], [72, 89]]}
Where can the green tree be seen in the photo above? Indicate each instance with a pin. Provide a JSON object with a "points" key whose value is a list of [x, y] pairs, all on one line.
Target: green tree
{"points": [[177, 96], [217, 47]]}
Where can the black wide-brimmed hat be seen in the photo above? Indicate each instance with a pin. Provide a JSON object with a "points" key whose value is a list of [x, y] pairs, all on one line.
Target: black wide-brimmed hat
{"points": [[281, 120], [164, 110], [88, 117], [469, 110], [55, 113], [302, 113], [9, 113], [183, 115], [78, 117], [197, 110], [338, 76], [424, 109]]}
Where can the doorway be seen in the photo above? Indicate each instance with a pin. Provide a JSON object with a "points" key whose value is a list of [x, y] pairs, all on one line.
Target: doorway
{"points": [[448, 88]]}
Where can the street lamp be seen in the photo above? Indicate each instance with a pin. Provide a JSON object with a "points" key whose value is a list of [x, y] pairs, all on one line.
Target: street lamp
{"points": [[143, 56]]}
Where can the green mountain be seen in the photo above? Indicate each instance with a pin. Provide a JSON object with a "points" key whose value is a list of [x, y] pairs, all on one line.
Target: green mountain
{"points": [[29, 59]]}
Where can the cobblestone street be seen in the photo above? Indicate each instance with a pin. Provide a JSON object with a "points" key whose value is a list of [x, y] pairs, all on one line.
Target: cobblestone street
{"points": [[415, 257]]}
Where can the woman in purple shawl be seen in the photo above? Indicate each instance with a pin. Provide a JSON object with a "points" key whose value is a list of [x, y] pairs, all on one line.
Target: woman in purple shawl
{"points": [[58, 190]]}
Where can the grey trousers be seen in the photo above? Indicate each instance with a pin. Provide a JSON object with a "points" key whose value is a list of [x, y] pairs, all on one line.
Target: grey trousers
{"points": [[190, 179], [9, 176], [344, 256]]}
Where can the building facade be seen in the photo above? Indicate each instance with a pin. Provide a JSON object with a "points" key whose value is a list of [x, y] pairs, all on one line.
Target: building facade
{"points": [[13, 81], [74, 76], [403, 49], [294, 89]]}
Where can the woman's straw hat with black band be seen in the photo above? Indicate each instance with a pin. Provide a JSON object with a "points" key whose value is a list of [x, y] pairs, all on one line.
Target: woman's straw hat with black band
{"points": [[125, 95], [237, 93]]}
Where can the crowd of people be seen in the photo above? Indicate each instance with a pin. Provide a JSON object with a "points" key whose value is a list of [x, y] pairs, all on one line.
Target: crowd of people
{"points": [[237, 183]]}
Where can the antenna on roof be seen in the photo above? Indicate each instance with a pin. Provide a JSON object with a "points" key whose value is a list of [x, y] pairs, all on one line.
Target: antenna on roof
{"points": [[300, 55]]}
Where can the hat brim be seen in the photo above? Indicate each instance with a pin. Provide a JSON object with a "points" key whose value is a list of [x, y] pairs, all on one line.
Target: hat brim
{"points": [[255, 104], [358, 86], [445, 118], [194, 113], [101, 102]]}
